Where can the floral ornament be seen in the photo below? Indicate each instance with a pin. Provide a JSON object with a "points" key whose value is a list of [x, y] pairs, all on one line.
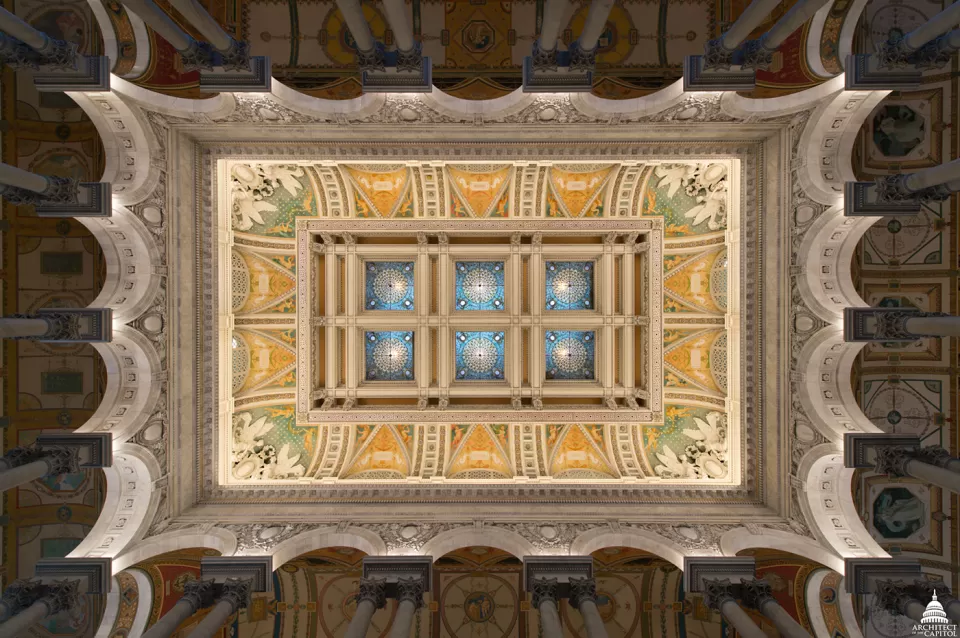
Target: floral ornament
{"points": [[705, 183], [255, 459], [704, 457], [254, 183]]}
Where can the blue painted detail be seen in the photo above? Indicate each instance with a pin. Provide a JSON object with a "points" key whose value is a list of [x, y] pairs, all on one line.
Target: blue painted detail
{"points": [[389, 356], [569, 285], [479, 356], [389, 285], [480, 285], [570, 355]]}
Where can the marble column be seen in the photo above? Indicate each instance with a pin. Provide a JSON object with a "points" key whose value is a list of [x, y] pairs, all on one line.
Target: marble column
{"points": [[545, 47], [897, 596], [757, 594], [583, 597], [720, 595], [50, 599], [583, 52], [370, 597], [409, 56], [926, 591], [410, 599], [19, 187], [718, 52], [234, 596], [233, 55], [197, 594], [369, 52], [758, 54], [194, 55], [897, 324], [43, 50], [545, 599], [18, 596], [931, 464], [929, 46], [22, 465]]}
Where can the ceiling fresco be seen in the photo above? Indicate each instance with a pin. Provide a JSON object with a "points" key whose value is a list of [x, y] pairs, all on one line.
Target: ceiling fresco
{"points": [[689, 439]]}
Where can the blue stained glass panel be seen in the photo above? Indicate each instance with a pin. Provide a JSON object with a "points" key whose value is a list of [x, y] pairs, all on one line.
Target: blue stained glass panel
{"points": [[569, 285], [479, 285], [570, 355], [479, 356], [389, 285], [389, 356]]}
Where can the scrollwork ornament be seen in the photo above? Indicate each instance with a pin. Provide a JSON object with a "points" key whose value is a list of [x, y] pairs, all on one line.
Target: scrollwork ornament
{"points": [[235, 58], [892, 189], [893, 53], [717, 591], [59, 55], [755, 593], [16, 54], [753, 54], [582, 589], [892, 324], [410, 589], [237, 592], [893, 596], [581, 59], [542, 59], [934, 54], [372, 60], [20, 594], [61, 459], [61, 595], [892, 460], [544, 589], [199, 593], [374, 590], [717, 57], [411, 60], [198, 56], [933, 455]]}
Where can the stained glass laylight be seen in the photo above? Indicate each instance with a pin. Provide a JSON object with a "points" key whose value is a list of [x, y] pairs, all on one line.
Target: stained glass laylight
{"points": [[570, 355], [479, 285], [389, 285], [569, 285], [389, 356], [479, 356]]}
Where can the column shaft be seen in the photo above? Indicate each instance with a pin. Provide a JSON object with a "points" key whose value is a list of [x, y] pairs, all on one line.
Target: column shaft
{"points": [[935, 26], [24, 620], [401, 622], [23, 474], [740, 620], [13, 176], [21, 30], [596, 21], [934, 475], [213, 621], [791, 21], [169, 622], [915, 610], [549, 618], [933, 176], [783, 621], [396, 11], [353, 15], [158, 20], [943, 326], [204, 23], [360, 623], [953, 610], [592, 620], [11, 327], [553, 14], [749, 20]]}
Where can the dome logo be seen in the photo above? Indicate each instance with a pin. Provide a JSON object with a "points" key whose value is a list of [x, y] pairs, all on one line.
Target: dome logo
{"points": [[935, 623]]}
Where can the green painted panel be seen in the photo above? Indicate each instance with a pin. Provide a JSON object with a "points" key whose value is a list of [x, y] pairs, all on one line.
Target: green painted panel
{"points": [[61, 382]]}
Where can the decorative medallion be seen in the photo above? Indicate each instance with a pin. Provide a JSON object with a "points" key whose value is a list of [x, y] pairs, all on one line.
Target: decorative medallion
{"points": [[389, 356]]}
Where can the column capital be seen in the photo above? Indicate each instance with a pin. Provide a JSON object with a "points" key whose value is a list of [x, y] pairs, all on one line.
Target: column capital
{"points": [[892, 189], [199, 593], [754, 54], [61, 595], [542, 60], [60, 459], [237, 591], [893, 596], [756, 592], [883, 324], [374, 590], [411, 60], [20, 594], [582, 589], [78, 325], [717, 591], [411, 589], [544, 589], [582, 59], [55, 55], [924, 589], [892, 460], [373, 60]]}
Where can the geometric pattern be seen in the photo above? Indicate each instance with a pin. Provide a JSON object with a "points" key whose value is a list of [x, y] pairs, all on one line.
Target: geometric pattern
{"points": [[389, 356], [569, 285], [479, 285], [389, 285], [479, 356], [570, 354]]}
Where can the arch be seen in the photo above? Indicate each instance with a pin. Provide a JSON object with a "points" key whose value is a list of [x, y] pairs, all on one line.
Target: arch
{"points": [[739, 539], [815, 610], [828, 507], [496, 537], [110, 609], [740, 106], [595, 539], [144, 605], [216, 538], [356, 537], [129, 506]]}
